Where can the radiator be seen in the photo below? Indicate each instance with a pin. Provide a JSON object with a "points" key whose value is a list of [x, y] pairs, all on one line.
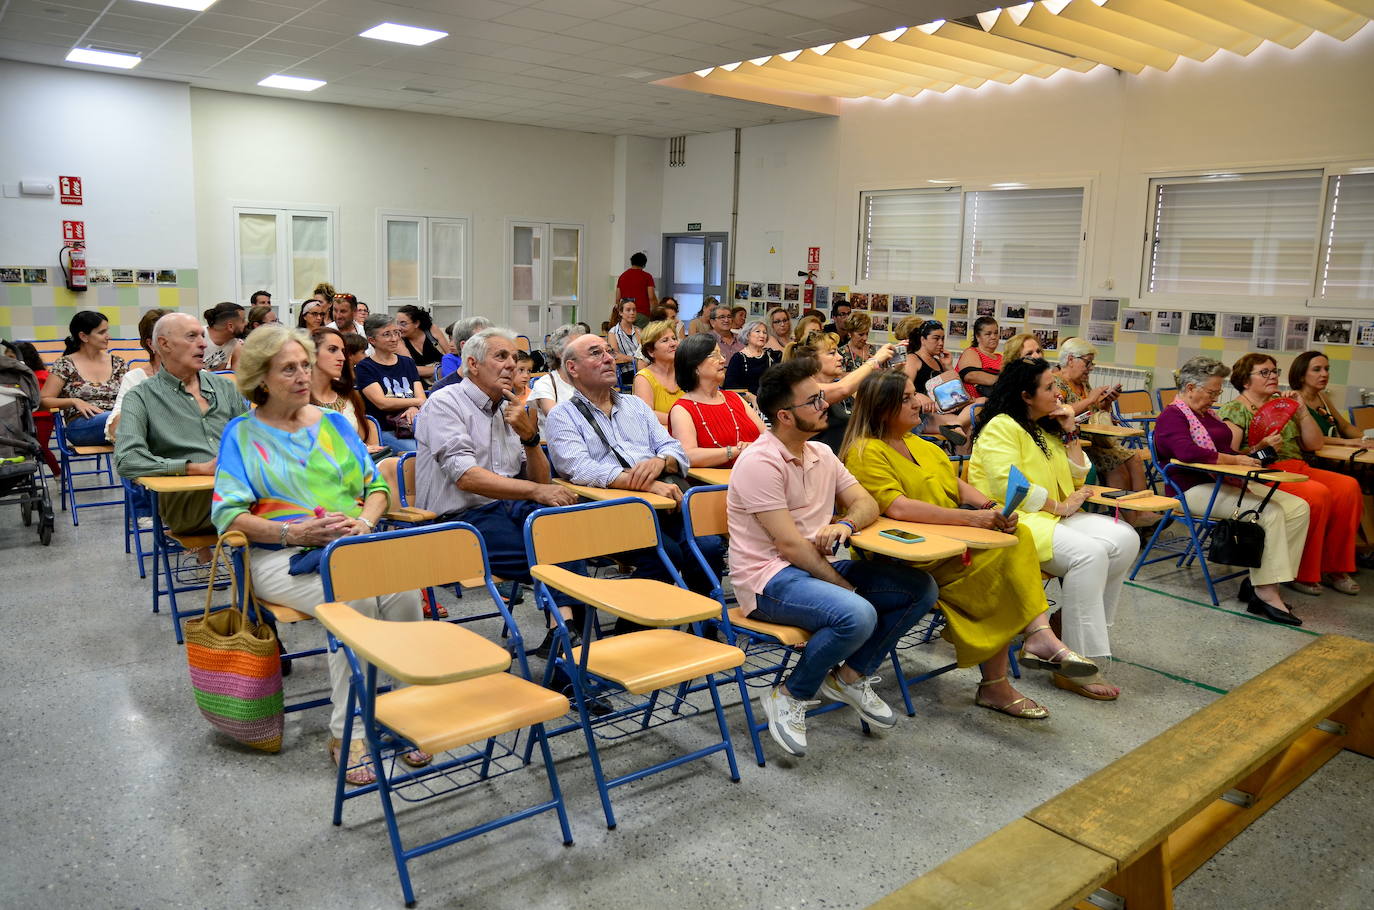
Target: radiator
{"points": [[1129, 377]]}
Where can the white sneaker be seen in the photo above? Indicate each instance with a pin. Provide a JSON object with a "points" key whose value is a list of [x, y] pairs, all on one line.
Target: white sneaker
{"points": [[786, 719], [145, 523], [861, 697]]}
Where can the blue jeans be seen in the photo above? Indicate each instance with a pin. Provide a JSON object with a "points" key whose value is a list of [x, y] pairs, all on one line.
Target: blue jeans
{"points": [[88, 431], [502, 526], [858, 627], [398, 445]]}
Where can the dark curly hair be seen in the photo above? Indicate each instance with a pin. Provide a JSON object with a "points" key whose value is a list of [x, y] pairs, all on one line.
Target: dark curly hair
{"points": [[1018, 378]]}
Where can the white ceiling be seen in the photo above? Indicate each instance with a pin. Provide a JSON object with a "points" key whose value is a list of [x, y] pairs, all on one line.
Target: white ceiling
{"points": [[569, 64]]}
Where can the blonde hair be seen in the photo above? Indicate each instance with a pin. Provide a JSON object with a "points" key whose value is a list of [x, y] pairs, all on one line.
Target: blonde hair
{"points": [[813, 345], [1014, 345], [856, 323], [652, 333], [800, 331], [266, 342]]}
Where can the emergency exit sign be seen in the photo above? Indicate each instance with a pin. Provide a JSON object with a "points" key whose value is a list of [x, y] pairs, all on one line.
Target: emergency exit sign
{"points": [[694, 225]]}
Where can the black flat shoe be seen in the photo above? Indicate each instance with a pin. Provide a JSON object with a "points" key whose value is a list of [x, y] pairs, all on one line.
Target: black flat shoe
{"points": [[1260, 608], [546, 646], [1247, 591]]}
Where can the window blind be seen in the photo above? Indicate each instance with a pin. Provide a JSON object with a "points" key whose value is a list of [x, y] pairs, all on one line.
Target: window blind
{"points": [[1346, 270], [1028, 239], [911, 235], [1246, 235]]}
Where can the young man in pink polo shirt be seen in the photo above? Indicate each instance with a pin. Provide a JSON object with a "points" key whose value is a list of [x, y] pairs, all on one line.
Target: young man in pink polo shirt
{"points": [[784, 493]]}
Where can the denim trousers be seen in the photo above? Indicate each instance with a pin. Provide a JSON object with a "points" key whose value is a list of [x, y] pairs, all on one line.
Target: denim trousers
{"points": [[501, 523], [88, 431], [397, 444], [855, 627]]}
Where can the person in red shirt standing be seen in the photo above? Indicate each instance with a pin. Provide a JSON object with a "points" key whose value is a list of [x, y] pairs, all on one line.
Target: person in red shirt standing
{"points": [[635, 283]]}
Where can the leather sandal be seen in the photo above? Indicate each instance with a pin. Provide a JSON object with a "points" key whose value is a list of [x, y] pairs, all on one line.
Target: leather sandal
{"points": [[1077, 687], [1343, 583], [1065, 660], [360, 772], [417, 758], [1030, 711]]}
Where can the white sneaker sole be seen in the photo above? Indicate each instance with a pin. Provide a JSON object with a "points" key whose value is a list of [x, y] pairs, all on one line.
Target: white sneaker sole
{"points": [[775, 731], [881, 723]]}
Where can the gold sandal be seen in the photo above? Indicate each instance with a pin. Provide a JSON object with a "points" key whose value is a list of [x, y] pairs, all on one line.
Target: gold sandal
{"points": [[1080, 687], [1065, 661], [1037, 712], [360, 772]]}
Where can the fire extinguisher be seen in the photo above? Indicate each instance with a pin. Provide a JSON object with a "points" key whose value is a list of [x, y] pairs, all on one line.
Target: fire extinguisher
{"points": [[808, 286], [75, 265]]}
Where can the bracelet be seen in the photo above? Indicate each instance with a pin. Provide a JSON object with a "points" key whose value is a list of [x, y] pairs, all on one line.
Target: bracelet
{"points": [[285, 526], [370, 525], [729, 453], [848, 524], [988, 505], [1071, 436], [532, 441]]}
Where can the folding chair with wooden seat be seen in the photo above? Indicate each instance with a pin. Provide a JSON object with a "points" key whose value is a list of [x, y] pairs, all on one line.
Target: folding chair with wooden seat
{"points": [[1135, 408], [84, 461], [460, 704], [1165, 397], [169, 578], [641, 677]]}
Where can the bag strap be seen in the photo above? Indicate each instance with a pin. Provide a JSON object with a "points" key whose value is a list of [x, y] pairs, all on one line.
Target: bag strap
{"points": [[215, 559], [586, 411]]}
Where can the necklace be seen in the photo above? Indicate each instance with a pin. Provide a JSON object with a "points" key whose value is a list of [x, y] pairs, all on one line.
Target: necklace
{"points": [[701, 419]]}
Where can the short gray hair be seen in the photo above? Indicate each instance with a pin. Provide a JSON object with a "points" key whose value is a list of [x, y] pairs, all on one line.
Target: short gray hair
{"points": [[475, 348], [376, 322], [558, 342], [1076, 347], [1198, 370], [757, 323], [464, 329]]}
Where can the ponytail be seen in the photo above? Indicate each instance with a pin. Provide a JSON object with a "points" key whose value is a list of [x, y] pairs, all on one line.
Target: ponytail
{"points": [[83, 323]]}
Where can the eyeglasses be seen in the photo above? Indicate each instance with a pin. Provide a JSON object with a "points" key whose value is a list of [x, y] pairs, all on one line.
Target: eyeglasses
{"points": [[816, 402], [725, 315], [784, 319], [1266, 374], [1087, 361], [595, 353], [390, 335]]}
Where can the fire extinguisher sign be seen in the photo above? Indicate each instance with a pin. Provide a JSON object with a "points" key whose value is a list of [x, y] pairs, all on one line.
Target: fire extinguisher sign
{"points": [[813, 258], [73, 232], [70, 188]]}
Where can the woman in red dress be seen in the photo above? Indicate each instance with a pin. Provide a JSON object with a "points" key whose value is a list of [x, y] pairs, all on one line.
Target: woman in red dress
{"points": [[713, 425]]}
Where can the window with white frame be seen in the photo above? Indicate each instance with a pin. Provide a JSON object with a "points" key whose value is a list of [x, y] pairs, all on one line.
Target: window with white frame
{"points": [[1346, 267], [284, 251], [1254, 235], [424, 262], [909, 235]]}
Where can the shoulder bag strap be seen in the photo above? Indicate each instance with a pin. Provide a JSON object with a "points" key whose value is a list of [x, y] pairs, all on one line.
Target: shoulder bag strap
{"points": [[586, 411]]}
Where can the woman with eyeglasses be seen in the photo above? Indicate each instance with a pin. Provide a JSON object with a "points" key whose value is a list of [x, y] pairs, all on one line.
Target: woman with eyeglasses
{"points": [[779, 330], [314, 314], [1334, 499], [980, 365], [837, 386], [1117, 466], [927, 359], [713, 424], [1187, 430]]}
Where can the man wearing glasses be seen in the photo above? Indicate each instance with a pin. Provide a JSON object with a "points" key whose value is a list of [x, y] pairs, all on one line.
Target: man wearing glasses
{"points": [[838, 313], [390, 383], [784, 493], [721, 322]]}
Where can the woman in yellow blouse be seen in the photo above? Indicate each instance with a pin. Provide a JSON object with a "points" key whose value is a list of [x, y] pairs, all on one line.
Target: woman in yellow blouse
{"points": [[1024, 424], [656, 384], [998, 595]]}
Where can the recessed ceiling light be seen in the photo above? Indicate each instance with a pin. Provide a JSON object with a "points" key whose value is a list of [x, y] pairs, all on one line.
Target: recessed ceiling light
{"points": [[198, 6], [295, 83], [103, 58], [403, 34], [1008, 186]]}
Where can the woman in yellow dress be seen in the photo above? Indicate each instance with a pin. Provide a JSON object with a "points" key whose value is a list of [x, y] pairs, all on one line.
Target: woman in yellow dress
{"points": [[997, 595]]}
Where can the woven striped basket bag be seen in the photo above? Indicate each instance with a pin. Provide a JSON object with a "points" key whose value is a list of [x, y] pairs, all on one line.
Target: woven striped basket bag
{"points": [[235, 666]]}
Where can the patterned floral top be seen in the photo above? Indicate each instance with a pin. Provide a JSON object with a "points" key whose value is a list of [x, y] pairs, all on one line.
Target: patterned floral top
{"points": [[100, 394], [851, 361], [284, 476]]}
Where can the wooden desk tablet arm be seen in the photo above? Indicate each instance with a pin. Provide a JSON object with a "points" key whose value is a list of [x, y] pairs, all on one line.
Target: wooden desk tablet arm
{"points": [[419, 653], [638, 600]]}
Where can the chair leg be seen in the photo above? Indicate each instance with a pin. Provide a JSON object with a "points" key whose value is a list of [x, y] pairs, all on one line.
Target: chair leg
{"points": [[537, 732], [749, 716], [724, 727], [398, 852], [902, 684]]}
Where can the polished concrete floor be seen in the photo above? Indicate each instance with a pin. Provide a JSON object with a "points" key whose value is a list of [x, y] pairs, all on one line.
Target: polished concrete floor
{"points": [[117, 793]]}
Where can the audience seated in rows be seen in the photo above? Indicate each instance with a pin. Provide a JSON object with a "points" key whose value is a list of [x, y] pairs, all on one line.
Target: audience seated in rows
{"points": [[840, 311], [344, 308], [314, 314], [421, 345], [1023, 425], [625, 341], [1309, 375], [854, 347], [927, 360], [224, 329], [390, 384], [779, 330], [137, 371], [667, 311], [656, 383], [980, 365], [821, 350], [553, 387], [721, 322], [1117, 466], [784, 493], [259, 314], [84, 382], [746, 367], [450, 369], [714, 425]]}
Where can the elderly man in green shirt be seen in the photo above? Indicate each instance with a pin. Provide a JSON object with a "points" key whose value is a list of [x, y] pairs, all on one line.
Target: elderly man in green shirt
{"points": [[172, 422]]}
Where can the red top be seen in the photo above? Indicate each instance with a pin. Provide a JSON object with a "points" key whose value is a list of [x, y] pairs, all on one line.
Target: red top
{"points": [[42, 377], [633, 284], [990, 363], [720, 425]]}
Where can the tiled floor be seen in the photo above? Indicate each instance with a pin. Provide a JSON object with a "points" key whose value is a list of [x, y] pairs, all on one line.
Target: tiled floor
{"points": [[117, 794]]}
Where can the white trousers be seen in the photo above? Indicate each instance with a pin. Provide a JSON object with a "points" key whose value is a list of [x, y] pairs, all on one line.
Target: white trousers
{"points": [[1284, 521], [1092, 556], [273, 583]]}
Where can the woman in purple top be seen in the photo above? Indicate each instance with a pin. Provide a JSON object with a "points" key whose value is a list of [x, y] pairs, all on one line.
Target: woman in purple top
{"points": [[1187, 430]]}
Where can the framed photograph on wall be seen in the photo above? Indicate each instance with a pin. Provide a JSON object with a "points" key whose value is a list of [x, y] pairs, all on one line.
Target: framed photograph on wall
{"points": [[756, 290], [958, 329], [925, 306], [1007, 329], [901, 303], [958, 306], [1296, 331], [1048, 338], [1267, 333], [822, 297], [1204, 324], [1101, 332], [1040, 315], [1364, 333], [1014, 310], [1167, 322], [1104, 309], [35, 276], [879, 303], [858, 301], [1237, 325], [1135, 320], [1069, 314], [1332, 331], [986, 307], [774, 290], [742, 290], [791, 292]]}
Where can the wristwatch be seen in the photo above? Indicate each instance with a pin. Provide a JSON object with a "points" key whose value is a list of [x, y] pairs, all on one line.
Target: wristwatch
{"points": [[532, 441], [1069, 436]]}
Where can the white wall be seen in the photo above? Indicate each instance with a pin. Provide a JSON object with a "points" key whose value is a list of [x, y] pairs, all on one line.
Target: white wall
{"points": [[254, 149], [128, 139], [638, 201]]}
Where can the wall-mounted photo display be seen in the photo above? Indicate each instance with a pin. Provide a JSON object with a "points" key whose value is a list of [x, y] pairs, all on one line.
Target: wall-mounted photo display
{"points": [[1204, 324], [1266, 333], [35, 276], [1041, 315], [1167, 322], [99, 276], [1237, 325], [122, 276], [880, 323], [822, 297], [1296, 331], [1135, 320], [879, 303], [146, 276], [901, 303], [1007, 329], [1048, 338], [791, 292], [1104, 309], [1069, 314], [742, 290], [986, 306], [756, 290], [858, 300], [166, 276], [957, 330], [774, 290], [11, 274], [1332, 331], [793, 309], [1013, 309], [1101, 332], [1364, 333], [925, 306], [958, 306], [758, 307]]}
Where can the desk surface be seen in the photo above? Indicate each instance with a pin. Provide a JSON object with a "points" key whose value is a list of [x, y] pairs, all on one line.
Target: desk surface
{"points": [[183, 483], [973, 538], [1150, 503], [602, 494], [1342, 453], [710, 475], [933, 547], [1106, 429], [1238, 470]]}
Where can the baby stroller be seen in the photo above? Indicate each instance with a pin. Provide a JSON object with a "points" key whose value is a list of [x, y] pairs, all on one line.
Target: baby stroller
{"points": [[21, 470]]}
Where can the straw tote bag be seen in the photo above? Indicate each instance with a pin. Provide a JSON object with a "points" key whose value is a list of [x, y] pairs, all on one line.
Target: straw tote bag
{"points": [[235, 667]]}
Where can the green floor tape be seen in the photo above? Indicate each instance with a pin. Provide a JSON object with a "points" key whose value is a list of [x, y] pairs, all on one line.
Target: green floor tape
{"points": [[1203, 603], [1174, 676]]}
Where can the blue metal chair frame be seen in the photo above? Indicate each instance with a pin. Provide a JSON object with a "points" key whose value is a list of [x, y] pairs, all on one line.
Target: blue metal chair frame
{"points": [[1147, 423], [632, 714], [1159, 397], [133, 532], [165, 576], [1353, 412], [100, 466], [443, 776]]}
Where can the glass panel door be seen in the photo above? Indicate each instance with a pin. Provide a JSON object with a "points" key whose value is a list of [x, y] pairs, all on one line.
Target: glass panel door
{"points": [[402, 238], [527, 282], [447, 269], [565, 280], [257, 252], [310, 254]]}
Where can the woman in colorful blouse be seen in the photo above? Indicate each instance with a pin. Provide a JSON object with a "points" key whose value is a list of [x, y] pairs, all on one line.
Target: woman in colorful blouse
{"points": [[1334, 499], [713, 425], [997, 594], [293, 478], [84, 382], [857, 350]]}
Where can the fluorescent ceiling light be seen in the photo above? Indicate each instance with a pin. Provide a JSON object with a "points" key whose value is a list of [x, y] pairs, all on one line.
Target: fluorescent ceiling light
{"points": [[103, 58], [939, 180], [198, 6], [894, 34], [931, 28], [857, 43], [403, 34], [1008, 186], [295, 83]]}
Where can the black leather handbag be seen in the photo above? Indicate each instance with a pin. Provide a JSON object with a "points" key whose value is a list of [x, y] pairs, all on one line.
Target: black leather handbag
{"points": [[1239, 540]]}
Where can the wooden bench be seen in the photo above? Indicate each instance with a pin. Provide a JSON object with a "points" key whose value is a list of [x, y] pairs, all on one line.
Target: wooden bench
{"points": [[1149, 819]]}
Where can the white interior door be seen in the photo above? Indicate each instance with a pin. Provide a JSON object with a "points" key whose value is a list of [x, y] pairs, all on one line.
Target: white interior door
{"points": [[424, 263], [545, 278]]}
